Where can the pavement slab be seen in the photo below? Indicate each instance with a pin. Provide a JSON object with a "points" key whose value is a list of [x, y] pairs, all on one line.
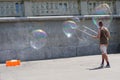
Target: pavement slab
{"points": [[75, 68]]}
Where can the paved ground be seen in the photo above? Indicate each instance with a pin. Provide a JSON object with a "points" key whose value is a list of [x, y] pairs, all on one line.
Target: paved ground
{"points": [[77, 68]]}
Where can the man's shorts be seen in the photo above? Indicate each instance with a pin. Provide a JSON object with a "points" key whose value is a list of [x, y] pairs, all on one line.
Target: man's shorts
{"points": [[103, 49]]}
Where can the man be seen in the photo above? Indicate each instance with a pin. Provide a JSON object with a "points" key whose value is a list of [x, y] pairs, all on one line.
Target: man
{"points": [[103, 36]]}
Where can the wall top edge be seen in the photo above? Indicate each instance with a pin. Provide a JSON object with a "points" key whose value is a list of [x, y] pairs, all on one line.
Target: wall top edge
{"points": [[10, 0], [51, 0], [40, 18]]}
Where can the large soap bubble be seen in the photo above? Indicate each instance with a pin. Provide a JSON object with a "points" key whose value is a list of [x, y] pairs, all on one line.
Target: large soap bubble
{"points": [[38, 39], [103, 13]]}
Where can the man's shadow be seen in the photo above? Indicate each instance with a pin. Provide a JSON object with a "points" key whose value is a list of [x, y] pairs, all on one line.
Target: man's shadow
{"points": [[97, 68]]}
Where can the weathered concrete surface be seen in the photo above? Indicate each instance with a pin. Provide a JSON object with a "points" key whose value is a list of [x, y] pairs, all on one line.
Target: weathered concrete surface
{"points": [[77, 68], [15, 39]]}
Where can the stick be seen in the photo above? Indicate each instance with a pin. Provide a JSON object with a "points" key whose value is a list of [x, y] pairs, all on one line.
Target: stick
{"points": [[86, 33], [90, 29]]}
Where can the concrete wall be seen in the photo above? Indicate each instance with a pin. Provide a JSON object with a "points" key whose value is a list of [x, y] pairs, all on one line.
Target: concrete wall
{"points": [[15, 40]]}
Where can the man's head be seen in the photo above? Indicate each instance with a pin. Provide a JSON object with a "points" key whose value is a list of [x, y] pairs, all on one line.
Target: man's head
{"points": [[100, 24]]}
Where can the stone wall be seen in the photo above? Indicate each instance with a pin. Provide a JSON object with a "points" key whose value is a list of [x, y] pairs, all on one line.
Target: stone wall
{"points": [[15, 39], [19, 8]]}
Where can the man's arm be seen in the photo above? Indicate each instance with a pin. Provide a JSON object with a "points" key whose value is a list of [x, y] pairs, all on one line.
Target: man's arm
{"points": [[108, 33], [97, 36]]}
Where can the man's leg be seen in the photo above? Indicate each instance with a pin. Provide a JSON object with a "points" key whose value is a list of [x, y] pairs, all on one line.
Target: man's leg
{"points": [[102, 63], [101, 48], [105, 56], [107, 61]]}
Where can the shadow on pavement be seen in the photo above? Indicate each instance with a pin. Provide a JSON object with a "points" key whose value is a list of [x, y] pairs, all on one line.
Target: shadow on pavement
{"points": [[96, 68]]}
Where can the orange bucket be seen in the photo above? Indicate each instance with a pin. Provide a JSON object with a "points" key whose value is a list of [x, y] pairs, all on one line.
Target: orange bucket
{"points": [[13, 63]]}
